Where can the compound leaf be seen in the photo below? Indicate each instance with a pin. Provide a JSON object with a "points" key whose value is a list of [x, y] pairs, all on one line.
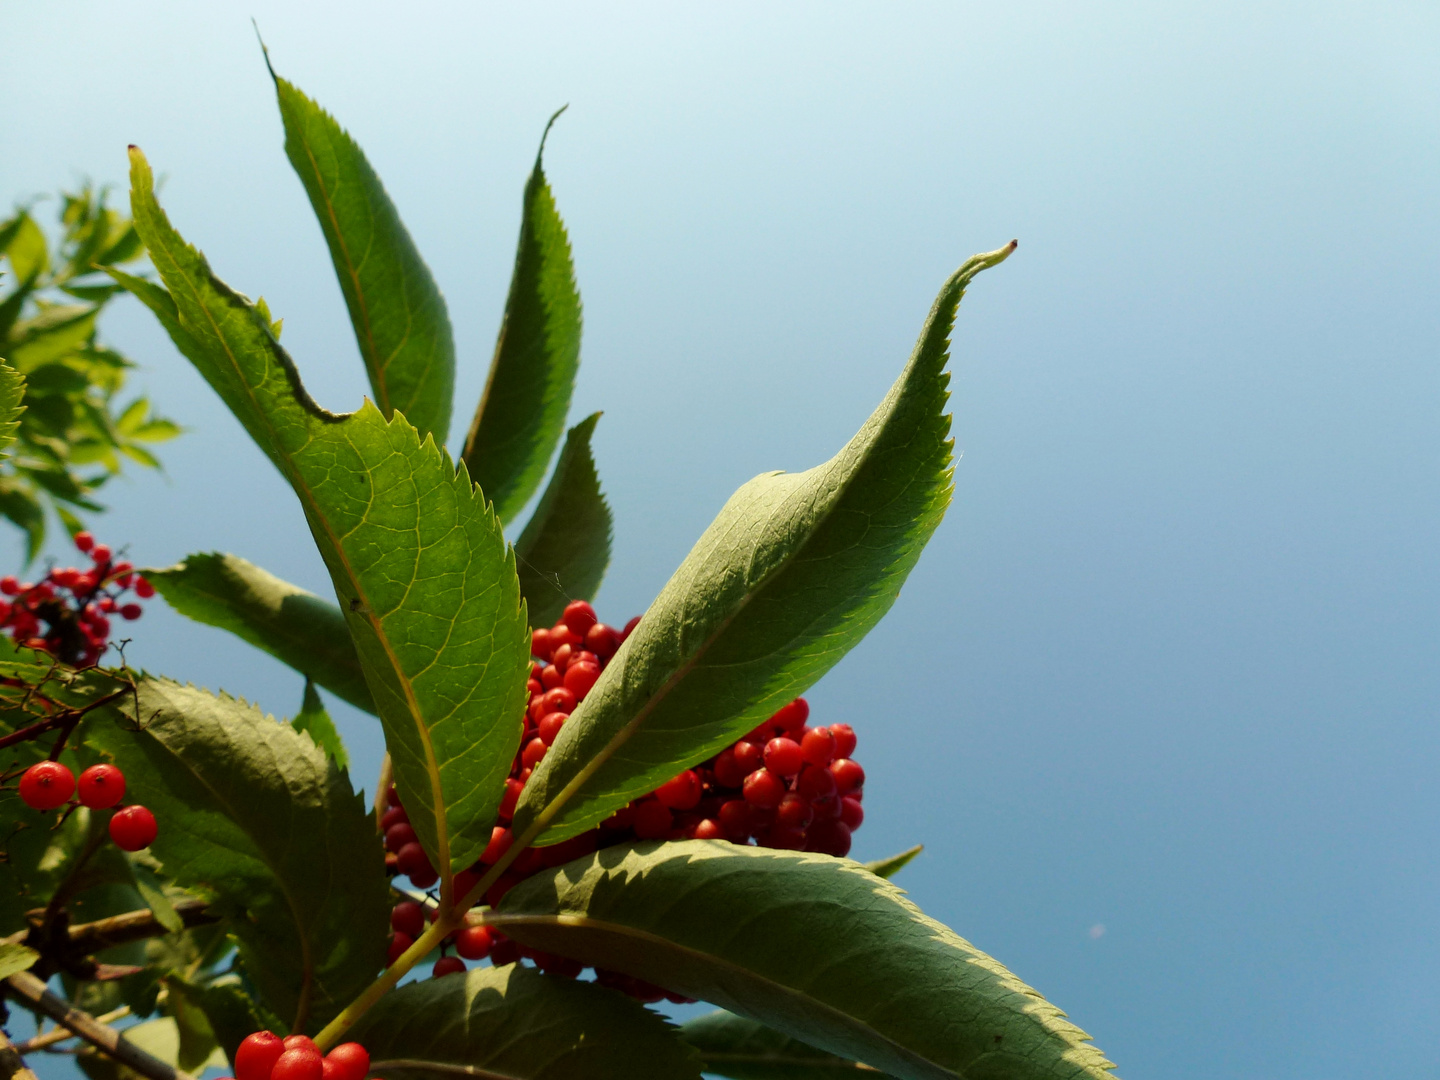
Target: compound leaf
{"points": [[565, 548], [741, 1049], [417, 557], [259, 820], [527, 393], [793, 572], [815, 947], [399, 316], [293, 625], [510, 1023]]}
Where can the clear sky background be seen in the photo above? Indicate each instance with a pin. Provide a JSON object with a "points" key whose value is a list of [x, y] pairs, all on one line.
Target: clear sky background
{"points": [[1161, 697]]}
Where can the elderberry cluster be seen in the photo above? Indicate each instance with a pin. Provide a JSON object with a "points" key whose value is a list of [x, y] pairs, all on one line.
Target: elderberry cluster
{"points": [[784, 785], [68, 613], [48, 785], [266, 1056]]}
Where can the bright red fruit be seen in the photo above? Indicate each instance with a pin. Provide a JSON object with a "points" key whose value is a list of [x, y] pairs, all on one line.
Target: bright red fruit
{"points": [[348, 1061], [301, 1042], [559, 700], [579, 678], [257, 1055], [844, 736], [727, 770], [408, 918], [302, 1063], [133, 828], [540, 644], [446, 965], [816, 783], [709, 829], [783, 757], [794, 811], [144, 589], [534, 753], [473, 942], [398, 944], [579, 617], [848, 775], [100, 553], [763, 789], [818, 747], [46, 785], [499, 844], [851, 813], [602, 641], [130, 611], [681, 792], [550, 725], [792, 717], [748, 757], [84, 541]]}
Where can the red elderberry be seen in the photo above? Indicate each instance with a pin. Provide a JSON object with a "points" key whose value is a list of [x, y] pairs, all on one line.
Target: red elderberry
{"points": [[301, 1042], [829, 838], [398, 944], [848, 775], [851, 813], [101, 787], [602, 640], [396, 815], [408, 918], [764, 789], [558, 700], [580, 678], [727, 770], [473, 942], [579, 617], [133, 828], [46, 785], [748, 757], [709, 829], [397, 836], [844, 736], [735, 817], [500, 840], [681, 792], [550, 725], [101, 554], [783, 757], [818, 747], [448, 965], [792, 717], [534, 753], [794, 811], [348, 1061], [84, 541], [652, 820], [785, 838], [540, 644], [816, 783], [302, 1063], [257, 1055], [143, 588], [130, 611]]}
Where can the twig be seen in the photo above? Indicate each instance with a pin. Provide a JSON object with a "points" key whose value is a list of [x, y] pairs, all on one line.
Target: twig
{"points": [[32, 991], [12, 1067], [136, 926], [60, 1034]]}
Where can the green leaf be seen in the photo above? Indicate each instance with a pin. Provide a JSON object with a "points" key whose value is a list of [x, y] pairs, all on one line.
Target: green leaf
{"points": [[159, 1038], [565, 548], [510, 1023], [399, 316], [198, 1047], [24, 510], [315, 722], [417, 557], [234, 1014], [888, 868], [733, 1046], [12, 393], [15, 957], [256, 818], [153, 891], [54, 334], [26, 247], [815, 947], [292, 625], [793, 572], [527, 393]]}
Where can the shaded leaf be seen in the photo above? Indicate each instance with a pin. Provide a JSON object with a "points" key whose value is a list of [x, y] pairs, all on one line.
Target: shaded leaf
{"points": [[256, 818], [733, 1046], [793, 572], [527, 393], [315, 722], [15, 957], [233, 1014], [292, 625], [159, 1038], [815, 947], [888, 868], [399, 316], [565, 548], [510, 1023]]}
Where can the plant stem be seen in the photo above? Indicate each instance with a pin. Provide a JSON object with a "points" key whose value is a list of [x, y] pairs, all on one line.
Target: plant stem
{"points": [[12, 1066], [32, 992], [60, 1034]]}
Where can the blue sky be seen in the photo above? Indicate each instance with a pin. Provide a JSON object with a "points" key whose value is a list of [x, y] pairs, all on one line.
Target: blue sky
{"points": [[1161, 697]]}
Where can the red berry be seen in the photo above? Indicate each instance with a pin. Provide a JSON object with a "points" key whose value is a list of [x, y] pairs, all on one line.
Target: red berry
{"points": [[844, 736], [709, 829], [602, 641], [551, 677], [398, 944], [534, 753], [560, 634], [848, 775], [794, 811], [412, 860], [84, 541], [348, 1061], [133, 828], [46, 785], [394, 816], [540, 644], [301, 1042], [629, 628], [728, 773], [579, 678], [302, 1063], [9, 585], [257, 1055], [652, 820], [123, 568], [397, 836], [851, 813], [558, 700], [783, 757], [550, 725], [785, 838], [131, 611], [511, 798], [681, 792], [818, 747], [562, 656], [748, 756], [448, 965], [579, 617], [101, 786], [500, 840], [100, 553], [829, 838], [792, 717], [816, 783], [408, 918], [735, 817], [473, 942], [764, 789], [827, 808], [144, 589]]}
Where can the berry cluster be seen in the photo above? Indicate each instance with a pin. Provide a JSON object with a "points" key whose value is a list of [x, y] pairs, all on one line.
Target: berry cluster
{"points": [[48, 785], [784, 785], [68, 613], [266, 1056]]}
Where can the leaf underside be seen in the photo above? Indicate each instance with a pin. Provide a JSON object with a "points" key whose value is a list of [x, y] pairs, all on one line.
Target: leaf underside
{"points": [[565, 547], [522, 411], [815, 947], [400, 320], [742, 1049], [511, 1022], [793, 572], [418, 559], [293, 625]]}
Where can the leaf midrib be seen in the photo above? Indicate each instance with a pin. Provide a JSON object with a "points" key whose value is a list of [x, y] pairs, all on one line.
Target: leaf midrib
{"points": [[586, 922]]}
